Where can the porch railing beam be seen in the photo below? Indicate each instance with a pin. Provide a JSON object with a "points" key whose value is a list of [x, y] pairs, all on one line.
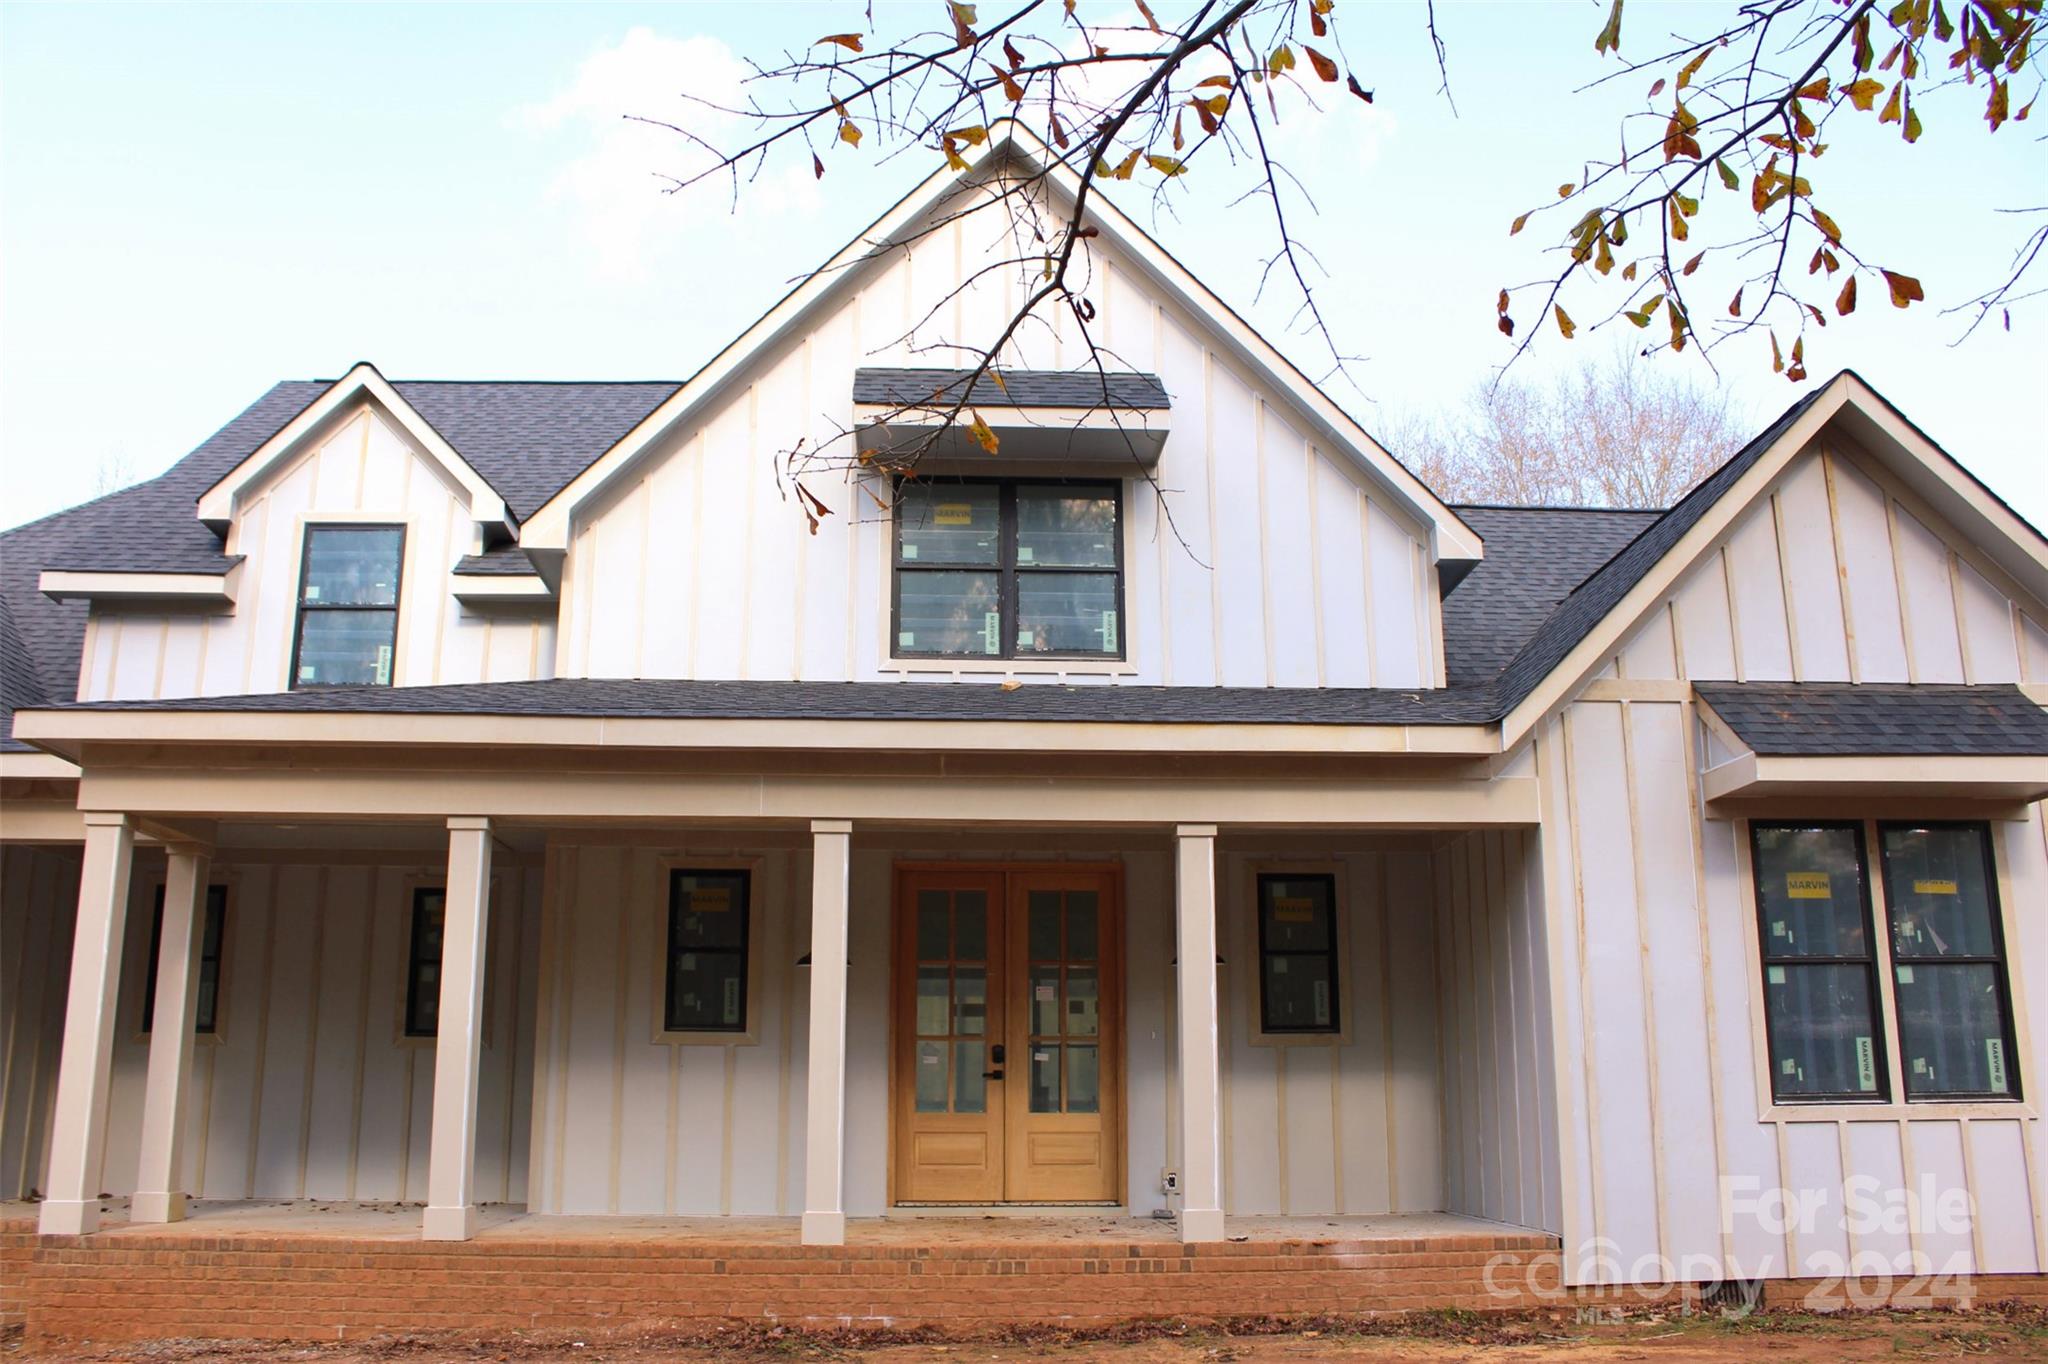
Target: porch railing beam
{"points": [[824, 1221], [181, 938], [458, 1047], [1201, 1109], [78, 1135]]}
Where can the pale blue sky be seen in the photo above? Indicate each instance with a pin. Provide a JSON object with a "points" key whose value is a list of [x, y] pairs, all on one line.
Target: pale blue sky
{"points": [[196, 201]]}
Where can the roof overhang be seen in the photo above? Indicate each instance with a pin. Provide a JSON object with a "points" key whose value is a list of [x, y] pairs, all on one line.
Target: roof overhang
{"points": [[217, 505], [68, 732], [502, 589], [2019, 779], [1046, 439], [215, 590], [546, 533]]}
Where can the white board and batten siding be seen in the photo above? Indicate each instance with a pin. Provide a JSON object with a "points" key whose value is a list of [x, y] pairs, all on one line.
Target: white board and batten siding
{"points": [[308, 1087], [627, 1121], [1839, 574], [1280, 565], [362, 469]]}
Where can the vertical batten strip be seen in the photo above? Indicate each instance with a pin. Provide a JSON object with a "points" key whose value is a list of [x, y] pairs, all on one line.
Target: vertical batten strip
{"points": [[315, 965], [270, 913], [1628, 759]]}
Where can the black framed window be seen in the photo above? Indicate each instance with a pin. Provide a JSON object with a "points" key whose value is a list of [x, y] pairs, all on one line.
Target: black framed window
{"points": [[347, 630], [1298, 953], [708, 942], [423, 962], [206, 1013], [1008, 568], [1948, 962], [1820, 964]]}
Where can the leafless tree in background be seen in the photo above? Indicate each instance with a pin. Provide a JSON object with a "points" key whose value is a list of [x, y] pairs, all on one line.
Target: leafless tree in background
{"points": [[1625, 433]]}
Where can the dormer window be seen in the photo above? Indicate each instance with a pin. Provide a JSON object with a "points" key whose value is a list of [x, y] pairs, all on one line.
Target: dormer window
{"points": [[1010, 568], [348, 606]]}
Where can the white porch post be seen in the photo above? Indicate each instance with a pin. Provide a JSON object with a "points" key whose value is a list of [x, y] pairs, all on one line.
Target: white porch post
{"points": [[1201, 1209], [451, 1159], [78, 1136], [179, 943], [825, 1140]]}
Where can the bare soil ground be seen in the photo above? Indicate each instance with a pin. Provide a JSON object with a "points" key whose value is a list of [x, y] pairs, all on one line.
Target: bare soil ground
{"points": [[1780, 1337]]}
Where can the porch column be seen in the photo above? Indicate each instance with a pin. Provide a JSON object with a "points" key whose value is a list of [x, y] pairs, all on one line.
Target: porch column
{"points": [[180, 940], [825, 1116], [1201, 1116], [451, 1158], [78, 1135]]}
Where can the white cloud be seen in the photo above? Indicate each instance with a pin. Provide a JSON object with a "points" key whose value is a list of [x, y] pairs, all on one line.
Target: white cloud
{"points": [[619, 170]]}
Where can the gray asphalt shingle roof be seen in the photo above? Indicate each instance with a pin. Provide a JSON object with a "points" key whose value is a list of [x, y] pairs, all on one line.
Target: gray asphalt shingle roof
{"points": [[686, 699], [1082, 388], [1829, 719]]}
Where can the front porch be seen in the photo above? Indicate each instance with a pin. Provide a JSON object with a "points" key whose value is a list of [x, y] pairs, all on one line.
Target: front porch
{"points": [[323, 1270]]}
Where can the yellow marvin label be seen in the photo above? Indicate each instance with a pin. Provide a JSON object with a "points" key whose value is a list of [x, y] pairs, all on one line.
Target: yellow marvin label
{"points": [[711, 900], [1289, 909], [953, 514], [1932, 887], [1808, 885]]}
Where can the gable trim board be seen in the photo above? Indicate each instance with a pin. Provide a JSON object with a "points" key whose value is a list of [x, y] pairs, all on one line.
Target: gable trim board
{"points": [[193, 589], [218, 504], [1452, 543], [1704, 516]]}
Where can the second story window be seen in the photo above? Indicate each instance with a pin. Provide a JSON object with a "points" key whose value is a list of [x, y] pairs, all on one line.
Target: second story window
{"points": [[1014, 568], [348, 606]]}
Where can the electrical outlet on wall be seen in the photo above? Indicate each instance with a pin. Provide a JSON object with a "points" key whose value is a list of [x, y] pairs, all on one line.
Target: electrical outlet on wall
{"points": [[1169, 1181]]}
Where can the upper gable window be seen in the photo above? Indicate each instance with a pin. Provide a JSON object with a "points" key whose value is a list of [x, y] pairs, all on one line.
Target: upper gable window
{"points": [[348, 606], [1011, 568]]}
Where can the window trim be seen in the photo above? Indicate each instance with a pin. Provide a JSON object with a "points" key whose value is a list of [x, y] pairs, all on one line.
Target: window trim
{"points": [[1881, 1018], [1338, 1033], [752, 950], [406, 1026], [300, 606], [1007, 570], [146, 1025], [1772, 1112], [2001, 963]]}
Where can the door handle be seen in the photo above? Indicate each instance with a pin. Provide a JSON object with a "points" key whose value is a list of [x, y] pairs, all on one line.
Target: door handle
{"points": [[991, 1075]]}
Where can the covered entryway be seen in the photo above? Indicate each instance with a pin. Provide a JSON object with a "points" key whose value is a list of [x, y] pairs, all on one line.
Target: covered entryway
{"points": [[1007, 1069]]}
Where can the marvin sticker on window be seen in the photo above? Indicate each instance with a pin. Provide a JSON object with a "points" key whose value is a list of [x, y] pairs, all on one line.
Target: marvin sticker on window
{"points": [[1808, 885], [1994, 1063], [1905, 974], [1322, 1002], [687, 962], [1047, 992], [910, 551], [1929, 886], [1789, 1066], [711, 899], [307, 672], [732, 1000], [1025, 554], [1774, 975], [953, 514], [312, 592], [1293, 909], [1866, 1064], [992, 632], [1279, 966], [906, 639], [1109, 631], [383, 665]]}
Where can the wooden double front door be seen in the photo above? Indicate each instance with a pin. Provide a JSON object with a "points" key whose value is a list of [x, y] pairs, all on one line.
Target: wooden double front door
{"points": [[1008, 1060]]}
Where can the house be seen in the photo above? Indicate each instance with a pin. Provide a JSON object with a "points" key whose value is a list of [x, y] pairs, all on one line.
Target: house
{"points": [[497, 797]]}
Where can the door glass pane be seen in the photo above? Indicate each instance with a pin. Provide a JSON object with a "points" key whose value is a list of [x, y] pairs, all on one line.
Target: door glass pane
{"points": [[1045, 1078], [1082, 1001], [948, 613], [353, 567], [1083, 1082], [1044, 908], [346, 648], [1045, 1000], [1066, 527], [932, 941], [1822, 1039], [1810, 883], [1939, 889], [970, 1086], [1081, 905], [970, 925], [948, 523], [931, 1077], [932, 999], [970, 1000], [1952, 1023], [1067, 613]]}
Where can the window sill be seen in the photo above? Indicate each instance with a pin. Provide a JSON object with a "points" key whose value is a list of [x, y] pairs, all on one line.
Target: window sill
{"points": [[1019, 667], [749, 1038], [1928, 1111]]}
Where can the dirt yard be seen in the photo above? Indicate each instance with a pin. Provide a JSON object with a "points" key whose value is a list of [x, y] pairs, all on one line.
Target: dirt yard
{"points": [[1779, 1337]]}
